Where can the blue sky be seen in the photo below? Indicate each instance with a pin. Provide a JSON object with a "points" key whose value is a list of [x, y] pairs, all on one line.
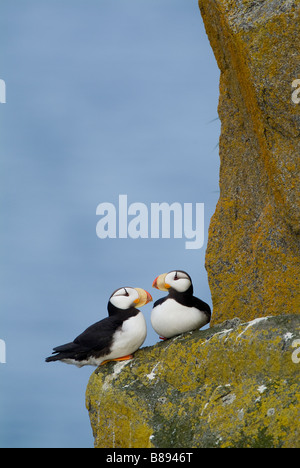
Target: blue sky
{"points": [[103, 98]]}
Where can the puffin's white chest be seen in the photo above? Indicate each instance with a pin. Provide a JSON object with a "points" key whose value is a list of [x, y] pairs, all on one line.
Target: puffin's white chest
{"points": [[130, 336], [171, 318]]}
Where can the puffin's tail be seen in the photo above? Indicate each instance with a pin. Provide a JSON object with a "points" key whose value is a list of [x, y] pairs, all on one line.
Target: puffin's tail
{"points": [[53, 358], [66, 351]]}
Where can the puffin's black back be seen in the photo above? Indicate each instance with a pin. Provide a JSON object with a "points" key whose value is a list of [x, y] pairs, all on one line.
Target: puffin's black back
{"points": [[95, 340]]}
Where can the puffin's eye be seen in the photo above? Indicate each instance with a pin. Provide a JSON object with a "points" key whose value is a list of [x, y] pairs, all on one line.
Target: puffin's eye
{"points": [[176, 276], [126, 292]]}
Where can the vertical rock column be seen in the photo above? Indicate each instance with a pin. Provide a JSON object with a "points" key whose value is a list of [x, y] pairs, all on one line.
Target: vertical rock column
{"points": [[253, 248]]}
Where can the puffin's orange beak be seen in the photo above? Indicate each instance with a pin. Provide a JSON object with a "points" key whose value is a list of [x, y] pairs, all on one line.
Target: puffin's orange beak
{"points": [[154, 285], [159, 283], [149, 297], [144, 297]]}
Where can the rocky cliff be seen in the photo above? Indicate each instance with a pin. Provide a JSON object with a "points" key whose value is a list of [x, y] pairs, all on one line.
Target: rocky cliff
{"points": [[234, 385], [253, 248]]}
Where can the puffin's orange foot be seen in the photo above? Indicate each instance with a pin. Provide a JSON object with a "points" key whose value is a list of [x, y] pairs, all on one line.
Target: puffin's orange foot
{"points": [[163, 338], [123, 358]]}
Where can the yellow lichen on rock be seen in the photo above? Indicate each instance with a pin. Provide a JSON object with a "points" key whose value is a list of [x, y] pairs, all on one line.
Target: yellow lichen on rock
{"points": [[235, 385], [123, 419], [253, 248]]}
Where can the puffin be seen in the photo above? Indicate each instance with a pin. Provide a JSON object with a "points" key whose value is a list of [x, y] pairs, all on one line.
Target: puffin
{"points": [[115, 338], [180, 311]]}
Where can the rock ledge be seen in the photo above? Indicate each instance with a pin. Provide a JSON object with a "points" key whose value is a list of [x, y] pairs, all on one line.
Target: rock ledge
{"points": [[234, 385]]}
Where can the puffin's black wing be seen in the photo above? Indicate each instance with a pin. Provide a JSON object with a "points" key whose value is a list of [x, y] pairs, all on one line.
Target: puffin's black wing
{"points": [[100, 334], [201, 305], [95, 339]]}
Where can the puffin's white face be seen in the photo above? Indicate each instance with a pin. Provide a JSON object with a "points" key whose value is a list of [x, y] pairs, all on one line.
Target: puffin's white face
{"points": [[125, 298], [178, 280]]}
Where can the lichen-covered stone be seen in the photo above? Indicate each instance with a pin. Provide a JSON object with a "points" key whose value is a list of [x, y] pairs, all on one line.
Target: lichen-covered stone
{"points": [[234, 385], [253, 248]]}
